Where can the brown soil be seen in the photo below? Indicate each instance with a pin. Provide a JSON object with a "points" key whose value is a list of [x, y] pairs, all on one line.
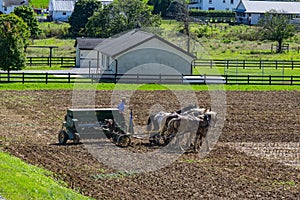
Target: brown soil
{"points": [[30, 121]]}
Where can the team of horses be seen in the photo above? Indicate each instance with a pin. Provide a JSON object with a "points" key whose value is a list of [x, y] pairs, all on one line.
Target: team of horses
{"points": [[188, 125]]}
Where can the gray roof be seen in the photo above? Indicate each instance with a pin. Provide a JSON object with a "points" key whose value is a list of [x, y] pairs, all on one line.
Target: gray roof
{"points": [[63, 5], [8, 3], [88, 43], [116, 46], [264, 6]]}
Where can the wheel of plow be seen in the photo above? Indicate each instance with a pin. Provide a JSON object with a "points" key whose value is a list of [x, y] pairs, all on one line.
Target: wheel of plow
{"points": [[62, 137], [123, 141]]}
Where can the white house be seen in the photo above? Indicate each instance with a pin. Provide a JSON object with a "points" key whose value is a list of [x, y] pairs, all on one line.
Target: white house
{"points": [[229, 5], [249, 12], [8, 6], [135, 51], [61, 10]]}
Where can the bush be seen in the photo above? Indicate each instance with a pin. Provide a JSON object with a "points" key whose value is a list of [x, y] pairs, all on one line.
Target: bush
{"points": [[53, 29]]}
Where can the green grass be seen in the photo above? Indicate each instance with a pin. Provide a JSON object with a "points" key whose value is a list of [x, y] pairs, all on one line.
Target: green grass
{"points": [[19, 180], [40, 3], [150, 87], [65, 47]]}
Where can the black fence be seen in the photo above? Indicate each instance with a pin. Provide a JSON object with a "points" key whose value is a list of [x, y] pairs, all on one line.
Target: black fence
{"points": [[288, 64], [63, 61], [22, 77]]}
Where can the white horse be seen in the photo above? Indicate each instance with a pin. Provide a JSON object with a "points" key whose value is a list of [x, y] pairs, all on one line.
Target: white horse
{"points": [[189, 125]]}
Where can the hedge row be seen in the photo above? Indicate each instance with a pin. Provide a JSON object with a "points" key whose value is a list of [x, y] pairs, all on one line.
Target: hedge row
{"points": [[211, 13]]}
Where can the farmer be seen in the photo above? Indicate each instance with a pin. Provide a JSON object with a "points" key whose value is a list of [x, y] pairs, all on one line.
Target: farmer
{"points": [[121, 105]]}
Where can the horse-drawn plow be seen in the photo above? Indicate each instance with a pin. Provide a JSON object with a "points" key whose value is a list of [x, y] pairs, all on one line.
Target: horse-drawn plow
{"points": [[162, 127]]}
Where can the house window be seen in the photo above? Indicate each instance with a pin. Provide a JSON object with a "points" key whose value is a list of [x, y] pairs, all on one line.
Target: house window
{"points": [[210, 1], [64, 13], [224, 1], [232, 1]]}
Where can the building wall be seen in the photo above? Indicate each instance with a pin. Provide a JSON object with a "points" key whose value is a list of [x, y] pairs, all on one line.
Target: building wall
{"points": [[214, 4], [88, 58], [61, 15], [152, 61], [1, 8]]}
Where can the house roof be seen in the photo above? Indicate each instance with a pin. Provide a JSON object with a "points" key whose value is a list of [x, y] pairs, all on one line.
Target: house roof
{"points": [[264, 6], [9, 3], [116, 46], [88, 43], [63, 5]]}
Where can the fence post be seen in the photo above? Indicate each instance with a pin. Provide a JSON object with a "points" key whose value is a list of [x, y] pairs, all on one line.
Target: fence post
{"points": [[227, 63], [116, 78], [226, 78], [270, 79], [211, 63], [62, 60], [8, 75], [46, 77], [259, 64], [69, 77], [276, 64], [23, 77]]}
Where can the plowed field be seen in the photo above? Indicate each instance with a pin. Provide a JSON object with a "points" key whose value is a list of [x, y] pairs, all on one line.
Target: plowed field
{"points": [[257, 155]]}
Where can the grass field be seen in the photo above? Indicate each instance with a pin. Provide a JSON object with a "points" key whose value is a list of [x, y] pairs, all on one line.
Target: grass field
{"points": [[19, 180], [150, 87], [40, 3]]}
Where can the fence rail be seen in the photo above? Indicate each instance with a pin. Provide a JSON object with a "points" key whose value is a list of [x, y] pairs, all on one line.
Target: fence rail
{"points": [[63, 61], [23, 77], [258, 64]]}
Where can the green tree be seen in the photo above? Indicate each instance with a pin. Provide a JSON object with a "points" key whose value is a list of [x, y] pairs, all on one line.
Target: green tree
{"points": [[119, 16], [160, 6], [275, 26], [14, 35], [83, 10], [29, 17], [178, 10]]}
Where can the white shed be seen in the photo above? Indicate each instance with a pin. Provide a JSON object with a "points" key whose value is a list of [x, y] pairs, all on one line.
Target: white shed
{"points": [[135, 51], [61, 10]]}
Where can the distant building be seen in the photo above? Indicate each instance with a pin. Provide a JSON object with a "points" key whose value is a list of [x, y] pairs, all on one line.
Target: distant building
{"points": [[136, 51], [61, 10], [229, 5], [8, 6], [249, 12]]}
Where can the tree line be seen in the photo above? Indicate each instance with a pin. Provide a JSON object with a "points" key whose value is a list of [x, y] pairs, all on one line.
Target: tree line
{"points": [[91, 18]]}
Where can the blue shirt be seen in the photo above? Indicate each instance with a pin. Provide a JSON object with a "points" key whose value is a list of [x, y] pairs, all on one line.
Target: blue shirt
{"points": [[121, 106]]}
